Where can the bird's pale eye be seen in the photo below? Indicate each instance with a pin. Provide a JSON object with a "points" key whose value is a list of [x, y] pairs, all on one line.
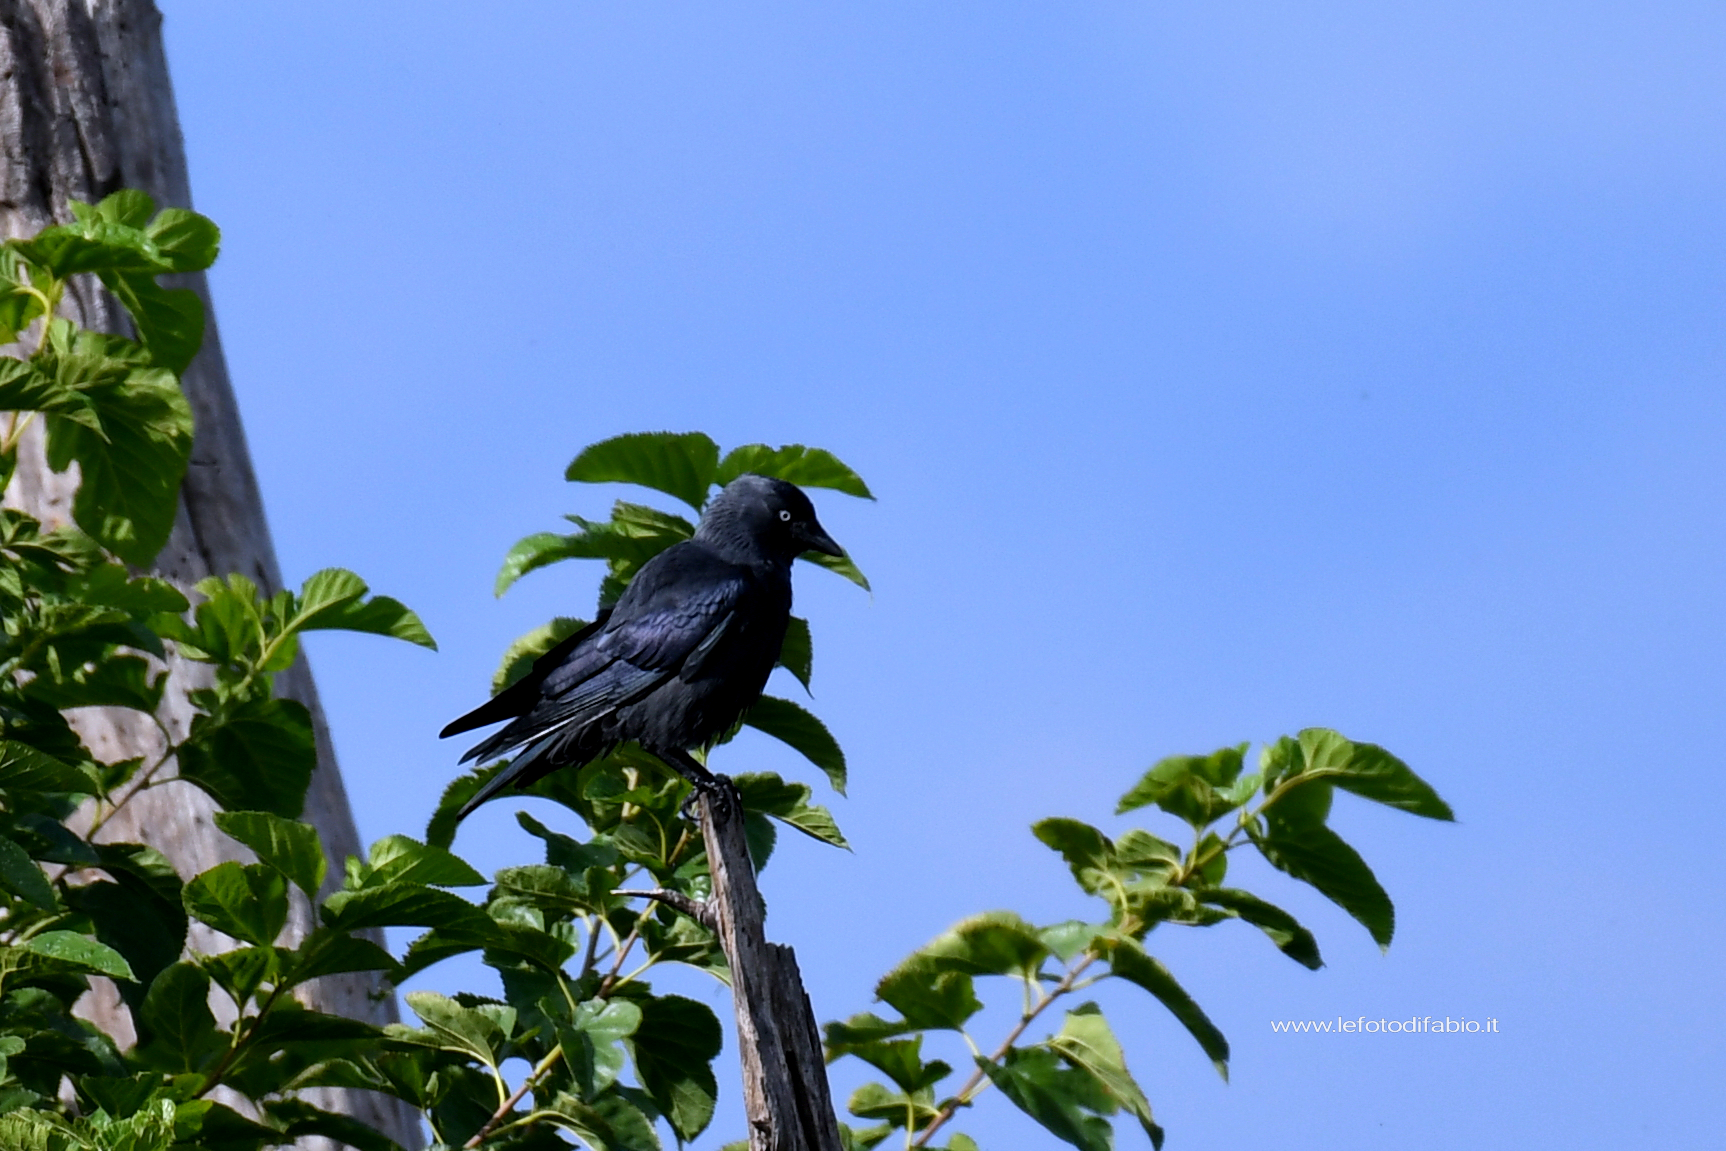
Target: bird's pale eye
{"points": [[785, 515]]}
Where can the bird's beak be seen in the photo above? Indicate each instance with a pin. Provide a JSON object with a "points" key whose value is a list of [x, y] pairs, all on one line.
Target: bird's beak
{"points": [[815, 538]]}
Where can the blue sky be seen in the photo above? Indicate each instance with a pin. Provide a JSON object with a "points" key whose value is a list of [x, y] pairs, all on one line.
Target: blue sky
{"points": [[1221, 370]]}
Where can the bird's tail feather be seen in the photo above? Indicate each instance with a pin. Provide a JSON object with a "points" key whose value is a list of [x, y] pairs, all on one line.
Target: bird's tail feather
{"points": [[520, 772]]}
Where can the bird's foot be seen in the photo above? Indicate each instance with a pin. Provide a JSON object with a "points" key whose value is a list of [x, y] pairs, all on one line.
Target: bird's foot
{"points": [[717, 788]]}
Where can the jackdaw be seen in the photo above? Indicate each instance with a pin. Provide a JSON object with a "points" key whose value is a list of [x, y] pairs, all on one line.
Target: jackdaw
{"points": [[679, 659]]}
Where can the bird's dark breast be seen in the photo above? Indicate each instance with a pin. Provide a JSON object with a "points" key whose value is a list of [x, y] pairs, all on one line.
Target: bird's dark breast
{"points": [[686, 713]]}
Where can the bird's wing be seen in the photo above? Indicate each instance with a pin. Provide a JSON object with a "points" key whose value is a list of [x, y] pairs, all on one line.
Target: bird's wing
{"points": [[519, 697], [669, 617]]}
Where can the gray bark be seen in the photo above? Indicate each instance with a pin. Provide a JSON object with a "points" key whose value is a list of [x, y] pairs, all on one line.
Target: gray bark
{"points": [[86, 108], [786, 1099]]}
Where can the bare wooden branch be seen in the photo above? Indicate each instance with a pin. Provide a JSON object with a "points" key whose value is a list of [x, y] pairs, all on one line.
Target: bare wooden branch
{"points": [[785, 1094]]}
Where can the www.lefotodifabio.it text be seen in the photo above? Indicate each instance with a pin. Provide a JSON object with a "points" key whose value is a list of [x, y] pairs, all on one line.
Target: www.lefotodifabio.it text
{"points": [[1418, 1025]]}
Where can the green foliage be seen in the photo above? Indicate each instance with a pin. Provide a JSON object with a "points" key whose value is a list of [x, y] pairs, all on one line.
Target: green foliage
{"points": [[610, 1059], [1075, 1080]]}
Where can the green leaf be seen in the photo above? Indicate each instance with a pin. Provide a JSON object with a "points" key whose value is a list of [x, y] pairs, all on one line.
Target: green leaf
{"points": [[901, 1060], [792, 725], [332, 600], [766, 792], [23, 769], [452, 1027], [327, 952], [131, 470], [79, 951], [246, 901], [298, 1118], [679, 464], [859, 1030], [186, 241], [1291, 938], [591, 1042], [1057, 1097], [1087, 1043], [402, 905], [1186, 785], [930, 995], [1315, 854], [1129, 961], [994, 943], [530, 553], [797, 653], [794, 463], [290, 847], [898, 1109], [519, 659], [1369, 771], [674, 1048], [20, 875], [170, 321], [25, 387], [398, 859], [259, 759], [176, 1016], [609, 1123], [839, 565]]}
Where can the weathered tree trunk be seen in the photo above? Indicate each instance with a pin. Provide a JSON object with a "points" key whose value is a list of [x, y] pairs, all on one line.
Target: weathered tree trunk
{"points": [[785, 1094], [86, 108]]}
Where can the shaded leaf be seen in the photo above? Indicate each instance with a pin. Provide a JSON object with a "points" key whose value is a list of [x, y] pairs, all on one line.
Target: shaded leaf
{"points": [[674, 1048], [259, 759], [1291, 938], [792, 725], [1129, 961], [1317, 855], [20, 875], [290, 847], [1057, 1097], [246, 901]]}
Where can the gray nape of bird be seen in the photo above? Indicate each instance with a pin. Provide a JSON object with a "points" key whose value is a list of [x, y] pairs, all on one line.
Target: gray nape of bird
{"points": [[677, 661]]}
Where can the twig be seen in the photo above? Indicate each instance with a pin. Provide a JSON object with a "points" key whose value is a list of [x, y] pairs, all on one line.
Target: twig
{"points": [[978, 1075], [696, 909], [508, 1105]]}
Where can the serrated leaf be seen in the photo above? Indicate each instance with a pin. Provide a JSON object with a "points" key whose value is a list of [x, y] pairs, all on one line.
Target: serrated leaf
{"points": [[327, 952], [1315, 854], [259, 759], [246, 901], [186, 241], [402, 905], [79, 951], [794, 463], [679, 464], [839, 565], [176, 1017], [1087, 1043], [1059, 1098], [1284, 930], [591, 1042], [456, 1028], [20, 875], [519, 658], [1129, 961], [797, 653], [928, 996], [794, 726], [333, 600], [1369, 771], [674, 1048], [131, 471], [398, 859], [290, 847], [24, 768]]}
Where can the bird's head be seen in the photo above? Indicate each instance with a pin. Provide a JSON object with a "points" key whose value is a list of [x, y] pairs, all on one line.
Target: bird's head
{"points": [[767, 515]]}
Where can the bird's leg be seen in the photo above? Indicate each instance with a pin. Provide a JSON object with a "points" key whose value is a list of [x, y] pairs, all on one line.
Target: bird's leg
{"points": [[717, 787]]}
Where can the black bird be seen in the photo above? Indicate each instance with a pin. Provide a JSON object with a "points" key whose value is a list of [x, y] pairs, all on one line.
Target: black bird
{"points": [[679, 659]]}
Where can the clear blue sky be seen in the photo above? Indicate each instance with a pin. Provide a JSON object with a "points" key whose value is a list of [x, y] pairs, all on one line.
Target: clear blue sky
{"points": [[1222, 370]]}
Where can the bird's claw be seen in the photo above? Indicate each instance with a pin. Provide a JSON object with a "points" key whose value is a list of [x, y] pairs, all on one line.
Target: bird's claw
{"points": [[719, 788]]}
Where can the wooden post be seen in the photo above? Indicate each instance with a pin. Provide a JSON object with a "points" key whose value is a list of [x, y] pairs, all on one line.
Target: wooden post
{"points": [[785, 1093]]}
